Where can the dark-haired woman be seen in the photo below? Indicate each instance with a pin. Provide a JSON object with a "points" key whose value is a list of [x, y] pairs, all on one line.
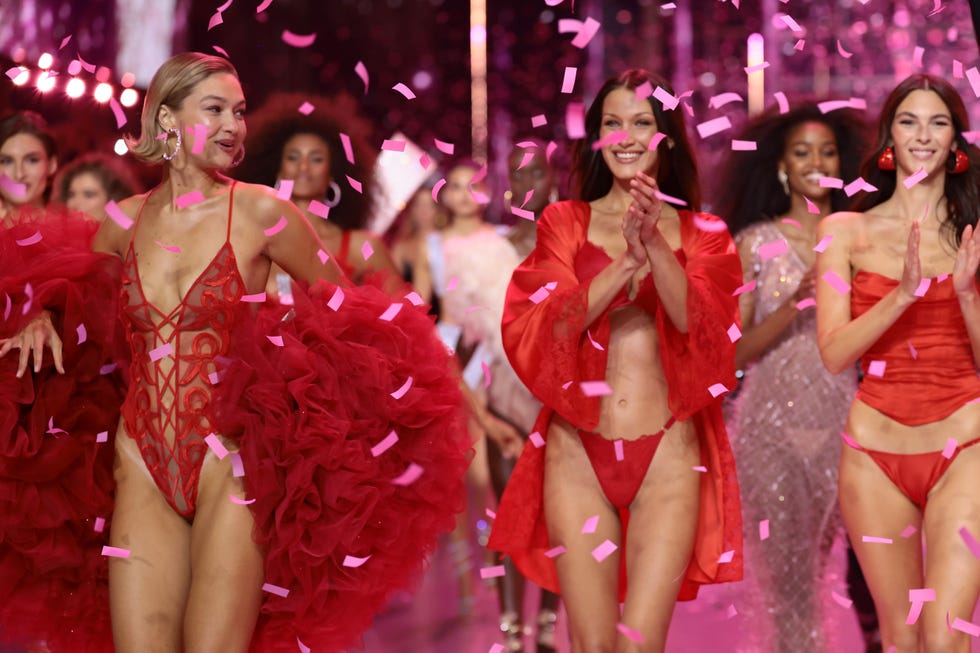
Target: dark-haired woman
{"points": [[618, 323], [89, 182], [789, 412], [898, 289]]}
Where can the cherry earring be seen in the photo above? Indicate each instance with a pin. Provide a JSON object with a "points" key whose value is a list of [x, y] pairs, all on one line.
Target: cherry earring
{"points": [[886, 161], [962, 162]]}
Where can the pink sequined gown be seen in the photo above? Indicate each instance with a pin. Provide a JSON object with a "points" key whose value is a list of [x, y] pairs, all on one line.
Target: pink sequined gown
{"points": [[785, 423]]}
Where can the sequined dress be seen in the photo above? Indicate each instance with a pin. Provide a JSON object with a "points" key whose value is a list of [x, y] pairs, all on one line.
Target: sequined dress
{"points": [[786, 424]]}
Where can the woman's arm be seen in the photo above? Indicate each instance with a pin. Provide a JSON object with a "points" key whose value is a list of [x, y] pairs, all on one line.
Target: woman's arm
{"points": [[965, 283], [842, 340]]}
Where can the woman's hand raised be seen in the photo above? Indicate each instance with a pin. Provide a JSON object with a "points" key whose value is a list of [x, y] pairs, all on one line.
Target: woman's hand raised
{"points": [[967, 261], [32, 339], [912, 269]]}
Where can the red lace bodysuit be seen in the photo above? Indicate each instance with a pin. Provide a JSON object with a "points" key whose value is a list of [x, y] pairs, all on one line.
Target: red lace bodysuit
{"points": [[167, 407]]}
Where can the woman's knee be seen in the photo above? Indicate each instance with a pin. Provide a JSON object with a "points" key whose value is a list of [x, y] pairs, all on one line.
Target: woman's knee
{"points": [[905, 638], [940, 639]]}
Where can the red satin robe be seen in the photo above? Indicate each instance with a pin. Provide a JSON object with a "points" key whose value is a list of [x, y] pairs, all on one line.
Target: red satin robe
{"points": [[548, 346]]}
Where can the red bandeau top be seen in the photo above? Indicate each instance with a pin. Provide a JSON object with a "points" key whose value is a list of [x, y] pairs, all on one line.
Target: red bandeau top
{"points": [[921, 369]]}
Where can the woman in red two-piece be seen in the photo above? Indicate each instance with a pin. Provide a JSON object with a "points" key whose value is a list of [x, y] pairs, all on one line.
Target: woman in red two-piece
{"points": [[899, 291], [618, 322]]}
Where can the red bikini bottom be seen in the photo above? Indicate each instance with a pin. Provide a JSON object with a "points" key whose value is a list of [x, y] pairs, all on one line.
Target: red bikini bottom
{"points": [[621, 465], [915, 474]]}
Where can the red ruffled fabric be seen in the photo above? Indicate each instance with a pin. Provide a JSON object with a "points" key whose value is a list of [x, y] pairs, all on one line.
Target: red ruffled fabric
{"points": [[307, 415], [546, 341], [55, 479]]}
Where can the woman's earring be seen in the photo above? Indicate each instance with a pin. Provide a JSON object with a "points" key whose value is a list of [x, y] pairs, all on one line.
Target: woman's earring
{"points": [[175, 132], [783, 180], [886, 161], [334, 190], [961, 161], [239, 158]]}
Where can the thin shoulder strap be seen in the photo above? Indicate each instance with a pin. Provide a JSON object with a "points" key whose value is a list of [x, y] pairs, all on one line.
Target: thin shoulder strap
{"points": [[345, 246], [231, 204]]}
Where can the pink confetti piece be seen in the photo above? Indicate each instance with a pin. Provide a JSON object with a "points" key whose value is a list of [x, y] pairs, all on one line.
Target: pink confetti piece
{"points": [[666, 98], [492, 572], [336, 300], [759, 67], [700, 468], [568, 81], [536, 440], [101, 437], [355, 184], [52, 430], [668, 6], [415, 298], [276, 340], [99, 524], [107, 369], [790, 23], [912, 180], [552, 146], [64, 42], [655, 141], [237, 467], [876, 368], [366, 250], [385, 444], [391, 312], [824, 242], [937, 6], [836, 282], [404, 90], [731, 613], [323, 256], [804, 304], [799, 45], [811, 207], [709, 226], [262, 7], [405, 387], [764, 530], [491, 514], [670, 199], [256, 298], [522, 213], [618, 450], [595, 388], [858, 185], [629, 633], [589, 29], [950, 449], [29, 292], [170, 248], [831, 182], [199, 136], [941, 278], [285, 190], [555, 552], [744, 146], [714, 126], [240, 502], [876, 540], [221, 51], [844, 53], [539, 295], [89, 67], [215, 445], [298, 40], [30, 240], [575, 120], [319, 209], [444, 147], [734, 333], [497, 648], [487, 375], [539, 120], [965, 626], [918, 597], [161, 352], [613, 138], [117, 112], [644, 90], [354, 562], [14, 188], [851, 442], [591, 524], [592, 340], [216, 20], [842, 601], [773, 249], [362, 72], [306, 108], [409, 476], [189, 199], [792, 222], [970, 542], [720, 100], [781, 101], [726, 557], [425, 161], [275, 589], [393, 145], [115, 552], [82, 333], [276, 228], [717, 389], [917, 56], [745, 287], [909, 531], [452, 283], [957, 69], [348, 148], [923, 287], [604, 550]]}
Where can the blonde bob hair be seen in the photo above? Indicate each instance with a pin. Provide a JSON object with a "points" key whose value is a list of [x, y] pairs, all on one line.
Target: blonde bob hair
{"points": [[170, 86]]}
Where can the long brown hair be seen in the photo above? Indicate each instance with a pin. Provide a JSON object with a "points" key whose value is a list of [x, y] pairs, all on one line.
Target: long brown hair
{"points": [[677, 170], [962, 191]]}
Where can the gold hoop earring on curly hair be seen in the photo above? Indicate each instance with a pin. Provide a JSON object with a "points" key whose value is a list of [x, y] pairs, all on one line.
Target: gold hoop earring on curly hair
{"points": [[175, 132]]}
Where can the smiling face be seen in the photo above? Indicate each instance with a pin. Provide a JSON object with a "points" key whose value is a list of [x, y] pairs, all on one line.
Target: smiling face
{"points": [[811, 153], [922, 133], [217, 104], [24, 160], [622, 112], [306, 160]]}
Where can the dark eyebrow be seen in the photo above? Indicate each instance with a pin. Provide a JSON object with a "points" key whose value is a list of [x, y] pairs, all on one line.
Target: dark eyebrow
{"points": [[635, 115], [933, 117]]}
